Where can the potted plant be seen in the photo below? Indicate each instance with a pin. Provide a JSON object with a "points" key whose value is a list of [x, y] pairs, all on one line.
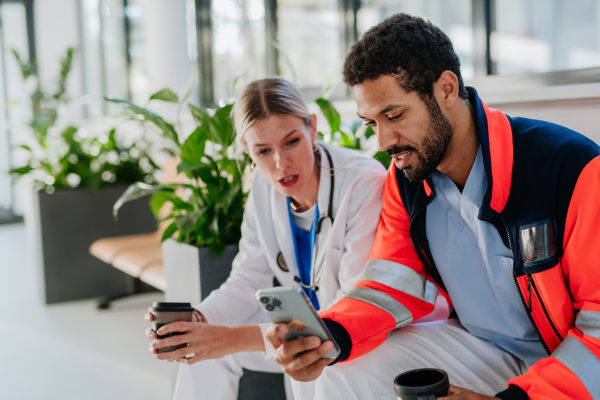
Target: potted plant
{"points": [[76, 177], [206, 212], [351, 135]]}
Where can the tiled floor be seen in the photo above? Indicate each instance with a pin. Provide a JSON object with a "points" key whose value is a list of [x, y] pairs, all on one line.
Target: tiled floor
{"points": [[70, 351]]}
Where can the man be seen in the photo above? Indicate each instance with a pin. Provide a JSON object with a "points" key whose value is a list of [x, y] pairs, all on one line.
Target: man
{"points": [[498, 214]]}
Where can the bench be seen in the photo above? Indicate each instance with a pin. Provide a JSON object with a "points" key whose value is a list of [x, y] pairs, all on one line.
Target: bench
{"points": [[138, 256]]}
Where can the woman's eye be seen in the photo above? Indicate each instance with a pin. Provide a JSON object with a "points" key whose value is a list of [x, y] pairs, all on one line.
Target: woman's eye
{"points": [[262, 152], [370, 123], [293, 141], [395, 117]]}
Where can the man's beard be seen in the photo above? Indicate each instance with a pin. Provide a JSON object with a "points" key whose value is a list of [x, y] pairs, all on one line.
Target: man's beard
{"points": [[433, 147]]}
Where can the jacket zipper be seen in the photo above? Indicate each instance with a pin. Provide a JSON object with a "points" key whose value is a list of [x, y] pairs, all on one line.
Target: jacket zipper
{"points": [[527, 307], [532, 283]]}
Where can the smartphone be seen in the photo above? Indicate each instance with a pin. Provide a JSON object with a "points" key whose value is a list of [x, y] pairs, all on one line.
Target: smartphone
{"points": [[290, 305]]}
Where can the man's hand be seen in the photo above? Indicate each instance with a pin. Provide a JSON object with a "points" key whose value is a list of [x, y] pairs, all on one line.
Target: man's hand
{"points": [[300, 358], [456, 393]]}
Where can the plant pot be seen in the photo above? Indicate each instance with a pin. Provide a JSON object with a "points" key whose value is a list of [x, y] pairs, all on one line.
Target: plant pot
{"points": [[192, 273], [62, 226]]}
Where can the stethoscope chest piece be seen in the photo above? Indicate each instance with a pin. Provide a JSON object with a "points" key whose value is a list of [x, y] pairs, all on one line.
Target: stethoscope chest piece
{"points": [[281, 263]]}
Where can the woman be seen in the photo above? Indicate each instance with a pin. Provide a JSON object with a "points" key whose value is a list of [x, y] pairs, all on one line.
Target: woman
{"points": [[297, 182]]}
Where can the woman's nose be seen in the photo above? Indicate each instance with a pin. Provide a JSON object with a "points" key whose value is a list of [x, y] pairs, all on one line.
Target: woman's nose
{"points": [[282, 161]]}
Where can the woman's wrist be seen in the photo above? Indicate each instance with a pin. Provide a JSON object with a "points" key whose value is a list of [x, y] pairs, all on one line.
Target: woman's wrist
{"points": [[247, 338]]}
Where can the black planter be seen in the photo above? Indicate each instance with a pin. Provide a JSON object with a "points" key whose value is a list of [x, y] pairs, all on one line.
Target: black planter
{"points": [[65, 224], [184, 266]]}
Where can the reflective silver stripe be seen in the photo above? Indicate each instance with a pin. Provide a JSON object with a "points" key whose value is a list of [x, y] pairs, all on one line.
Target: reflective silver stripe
{"points": [[588, 322], [582, 362], [383, 301], [402, 278]]}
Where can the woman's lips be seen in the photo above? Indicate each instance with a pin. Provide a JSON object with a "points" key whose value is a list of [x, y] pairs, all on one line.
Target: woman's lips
{"points": [[288, 181], [402, 160]]}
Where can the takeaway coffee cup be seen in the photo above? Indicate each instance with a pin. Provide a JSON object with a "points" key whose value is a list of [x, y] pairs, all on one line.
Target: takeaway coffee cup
{"points": [[421, 384], [164, 313]]}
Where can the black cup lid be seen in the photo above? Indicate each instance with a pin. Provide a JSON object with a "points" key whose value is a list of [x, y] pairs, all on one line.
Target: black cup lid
{"points": [[422, 381], [170, 306]]}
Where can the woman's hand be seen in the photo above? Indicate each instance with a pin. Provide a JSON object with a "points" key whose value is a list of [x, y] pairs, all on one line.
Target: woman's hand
{"points": [[150, 334], [204, 340]]}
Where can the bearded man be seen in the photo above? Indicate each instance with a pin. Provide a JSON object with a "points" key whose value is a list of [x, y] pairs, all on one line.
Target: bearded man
{"points": [[497, 214]]}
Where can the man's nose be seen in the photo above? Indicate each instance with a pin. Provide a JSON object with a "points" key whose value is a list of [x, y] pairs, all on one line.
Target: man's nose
{"points": [[385, 137]]}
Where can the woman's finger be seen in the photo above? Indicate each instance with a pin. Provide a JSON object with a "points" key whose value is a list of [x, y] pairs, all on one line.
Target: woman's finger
{"points": [[173, 355], [171, 341], [150, 334], [179, 326], [190, 360], [149, 317]]}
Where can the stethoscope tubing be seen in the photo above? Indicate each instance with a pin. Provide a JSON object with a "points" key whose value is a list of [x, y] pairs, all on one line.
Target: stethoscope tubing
{"points": [[314, 281]]}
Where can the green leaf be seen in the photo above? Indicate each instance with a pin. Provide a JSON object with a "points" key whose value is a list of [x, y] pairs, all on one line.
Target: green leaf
{"points": [[25, 147], [22, 170], [167, 128], [222, 125], [330, 113], [384, 158], [165, 95], [230, 195], [169, 232], [201, 171], [208, 124], [158, 200], [369, 132], [133, 192], [347, 141], [193, 148]]}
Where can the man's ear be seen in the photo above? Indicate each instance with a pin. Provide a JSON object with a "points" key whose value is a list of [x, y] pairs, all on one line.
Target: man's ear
{"points": [[446, 89]]}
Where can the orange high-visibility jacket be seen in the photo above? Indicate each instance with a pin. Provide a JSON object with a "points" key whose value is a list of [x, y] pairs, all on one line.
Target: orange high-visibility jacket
{"points": [[543, 196]]}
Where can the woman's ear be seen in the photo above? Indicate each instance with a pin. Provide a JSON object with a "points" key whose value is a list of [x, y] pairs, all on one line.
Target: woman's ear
{"points": [[313, 127]]}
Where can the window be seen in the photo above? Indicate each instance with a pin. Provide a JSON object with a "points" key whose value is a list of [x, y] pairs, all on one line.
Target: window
{"points": [[238, 44], [534, 36], [309, 41], [454, 17]]}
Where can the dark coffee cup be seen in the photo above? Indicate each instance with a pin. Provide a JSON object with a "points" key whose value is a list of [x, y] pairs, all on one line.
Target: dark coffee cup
{"points": [[165, 313], [422, 384]]}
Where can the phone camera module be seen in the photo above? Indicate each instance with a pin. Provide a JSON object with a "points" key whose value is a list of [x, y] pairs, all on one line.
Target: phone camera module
{"points": [[276, 302], [270, 307], [264, 300]]}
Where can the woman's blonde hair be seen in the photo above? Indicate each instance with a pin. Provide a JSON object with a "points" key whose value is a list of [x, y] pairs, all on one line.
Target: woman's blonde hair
{"points": [[264, 97]]}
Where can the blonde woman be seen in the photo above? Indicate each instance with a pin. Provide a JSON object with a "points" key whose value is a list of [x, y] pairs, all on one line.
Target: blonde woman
{"points": [[306, 197]]}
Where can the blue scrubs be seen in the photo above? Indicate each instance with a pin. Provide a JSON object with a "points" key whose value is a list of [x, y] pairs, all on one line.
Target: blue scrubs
{"points": [[476, 266], [304, 243]]}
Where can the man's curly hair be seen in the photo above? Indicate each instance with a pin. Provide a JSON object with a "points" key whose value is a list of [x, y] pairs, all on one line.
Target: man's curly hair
{"points": [[409, 48]]}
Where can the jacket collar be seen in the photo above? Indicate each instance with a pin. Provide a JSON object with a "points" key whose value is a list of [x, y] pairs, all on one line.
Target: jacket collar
{"points": [[495, 135]]}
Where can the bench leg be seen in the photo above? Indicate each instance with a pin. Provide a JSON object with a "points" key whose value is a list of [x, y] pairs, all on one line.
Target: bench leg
{"points": [[134, 286]]}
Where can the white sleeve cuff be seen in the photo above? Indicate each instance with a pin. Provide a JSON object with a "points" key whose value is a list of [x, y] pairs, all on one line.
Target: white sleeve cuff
{"points": [[269, 350], [212, 315]]}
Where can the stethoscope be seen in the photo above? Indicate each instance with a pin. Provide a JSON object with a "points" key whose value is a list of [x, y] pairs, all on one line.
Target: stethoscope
{"points": [[329, 216]]}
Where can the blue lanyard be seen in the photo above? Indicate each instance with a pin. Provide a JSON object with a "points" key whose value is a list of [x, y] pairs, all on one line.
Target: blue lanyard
{"points": [[303, 273]]}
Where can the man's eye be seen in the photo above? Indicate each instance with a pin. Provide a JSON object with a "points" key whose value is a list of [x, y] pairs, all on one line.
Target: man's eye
{"points": [[395, 117], [370, 123]]}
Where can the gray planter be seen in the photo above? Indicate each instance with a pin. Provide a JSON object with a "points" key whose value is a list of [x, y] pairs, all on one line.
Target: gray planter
{"points": [[192, 273], [64, 224]]}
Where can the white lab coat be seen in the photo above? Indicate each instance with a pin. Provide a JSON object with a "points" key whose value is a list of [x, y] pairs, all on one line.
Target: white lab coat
{"points": [[343, 248]]}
